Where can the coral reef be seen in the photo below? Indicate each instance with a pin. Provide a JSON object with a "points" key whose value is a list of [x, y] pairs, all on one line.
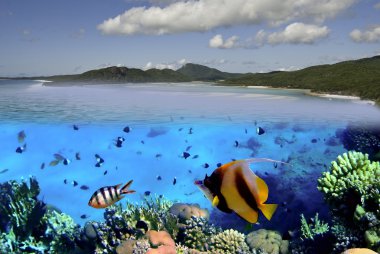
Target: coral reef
{"points": [[196, 233], [27, 226], [365, 139], [353, 179], [316, 227], [184, 211], [352, 189], [229, 241], [267, 241]]}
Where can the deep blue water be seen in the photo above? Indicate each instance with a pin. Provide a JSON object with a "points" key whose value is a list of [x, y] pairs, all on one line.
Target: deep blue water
{"points": [[299, 129]]}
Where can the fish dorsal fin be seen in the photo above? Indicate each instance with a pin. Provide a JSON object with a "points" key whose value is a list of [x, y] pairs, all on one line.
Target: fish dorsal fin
{"points": [[262, 190], [117, 186]]}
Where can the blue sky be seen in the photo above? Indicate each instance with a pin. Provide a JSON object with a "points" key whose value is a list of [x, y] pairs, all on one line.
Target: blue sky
{"points": [[44, 37]]}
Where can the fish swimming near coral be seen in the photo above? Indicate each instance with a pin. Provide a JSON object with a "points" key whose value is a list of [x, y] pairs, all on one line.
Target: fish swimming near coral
{"points": [[109, 195], [233, 187], [21, 149]]}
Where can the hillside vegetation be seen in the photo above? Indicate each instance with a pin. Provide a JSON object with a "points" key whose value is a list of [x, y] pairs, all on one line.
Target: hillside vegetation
{"points": [[358, 77]]}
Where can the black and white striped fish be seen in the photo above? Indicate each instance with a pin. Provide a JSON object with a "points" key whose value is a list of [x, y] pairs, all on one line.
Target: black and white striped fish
{"points": [[109, 195]]}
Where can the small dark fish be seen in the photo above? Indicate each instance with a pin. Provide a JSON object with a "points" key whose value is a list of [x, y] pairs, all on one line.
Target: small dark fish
{"points": [[84, 187], [275, 164], [66, 162], [190, 171], [161, 196], [74, 183], [3, 171], [159, 178], [127, 129], [236, 143], [105, 172], [21, 136], [42, 165], [21, 149], [266, 173], [174, 180], [147, 193], [180, 129], [119, 141], [260, 131], [185, 155], [99, 160], [255, 122], [206, 165], [246, 131], [188, 148], [191, 131], [158, 155], [77, 156], [142, 142], [59, 157], [314, 140], [65, 181], [75, 127], [219, 165], [84, 216], [195, 156]]}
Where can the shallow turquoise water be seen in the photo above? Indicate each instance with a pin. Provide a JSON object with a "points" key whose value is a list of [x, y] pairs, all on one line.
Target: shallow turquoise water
{"points": [[161, 116]]}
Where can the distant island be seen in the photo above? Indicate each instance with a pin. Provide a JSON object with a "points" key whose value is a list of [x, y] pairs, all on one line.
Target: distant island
{"points": [[354, 78]]}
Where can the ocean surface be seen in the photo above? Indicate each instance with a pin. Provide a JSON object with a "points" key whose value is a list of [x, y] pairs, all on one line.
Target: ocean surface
{"points": [[214, 124]]}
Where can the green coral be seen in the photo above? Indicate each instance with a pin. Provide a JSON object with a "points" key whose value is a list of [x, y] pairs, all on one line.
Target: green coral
{"points": [[154, 212], [62, 230], [352, 171], [229, 242], [316, 227]]}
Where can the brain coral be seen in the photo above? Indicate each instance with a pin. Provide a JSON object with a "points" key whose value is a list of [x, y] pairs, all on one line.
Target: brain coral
{"points": [[267, 241]]}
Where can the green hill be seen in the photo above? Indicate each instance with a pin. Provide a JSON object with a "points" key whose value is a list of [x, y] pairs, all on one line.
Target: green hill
{"points": [[123, 75], [203, 73], [358, 77]]}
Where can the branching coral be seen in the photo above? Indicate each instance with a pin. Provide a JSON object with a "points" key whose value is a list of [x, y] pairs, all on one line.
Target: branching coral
{"points": [[316, 227], [352, 175]]}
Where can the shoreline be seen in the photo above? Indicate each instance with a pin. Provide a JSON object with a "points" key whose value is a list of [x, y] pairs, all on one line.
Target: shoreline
{"points": [[339, 97]]}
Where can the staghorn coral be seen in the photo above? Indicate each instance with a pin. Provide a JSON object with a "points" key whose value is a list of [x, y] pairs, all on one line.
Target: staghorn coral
{"points": [[267, 241], [229, 242], [316, 227]]}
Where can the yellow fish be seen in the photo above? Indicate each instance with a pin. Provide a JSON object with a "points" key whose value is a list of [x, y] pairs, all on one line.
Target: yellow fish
{"points": [[234, 187]]}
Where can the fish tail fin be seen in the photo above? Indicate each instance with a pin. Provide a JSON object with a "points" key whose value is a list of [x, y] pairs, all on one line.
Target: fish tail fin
{"points": [[268, 210], [125, 190]]}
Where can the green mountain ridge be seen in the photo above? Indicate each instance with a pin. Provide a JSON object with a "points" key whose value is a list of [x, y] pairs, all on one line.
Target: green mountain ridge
{"points": [[356, 77]]}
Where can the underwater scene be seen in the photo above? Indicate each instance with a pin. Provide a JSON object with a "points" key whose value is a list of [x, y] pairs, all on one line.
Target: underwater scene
{"points": [[186, 168]]}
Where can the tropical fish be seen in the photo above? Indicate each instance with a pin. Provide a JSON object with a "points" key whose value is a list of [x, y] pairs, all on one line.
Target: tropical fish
{"points": [[174, 180], [260, 131], [84, 216], [119, 141], [4, 171], [42, 165], [74, 183], [159, 178], [234, 187], [127, 129], [21, 149], [84, 187], [99, 160], [185, 155], [21, 136], [109, 195], [75, 127], [236, 143], [77, 156]]}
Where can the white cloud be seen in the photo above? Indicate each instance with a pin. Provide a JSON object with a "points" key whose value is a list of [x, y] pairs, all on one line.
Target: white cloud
{"points": [[171, 65], [370, 35], [203, 15], [299, 33], [218, 42], [377, 6]]}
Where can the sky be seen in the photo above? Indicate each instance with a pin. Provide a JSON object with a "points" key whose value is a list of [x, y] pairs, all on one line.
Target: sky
{"points": [[45, 37]]}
